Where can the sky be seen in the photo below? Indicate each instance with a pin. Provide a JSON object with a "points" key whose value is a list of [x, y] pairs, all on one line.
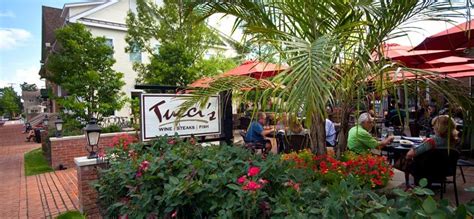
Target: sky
{"points": [[20, 40]]}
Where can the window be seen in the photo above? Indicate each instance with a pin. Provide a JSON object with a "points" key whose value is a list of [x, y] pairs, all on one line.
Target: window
{"points": [[110, 43], [135, 53], [156, 49]]}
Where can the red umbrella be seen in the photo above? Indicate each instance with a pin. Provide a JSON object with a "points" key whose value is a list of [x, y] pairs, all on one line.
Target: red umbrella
{"points": [[203, 82], [453, 38], [446, 61], [411, 58], [255, 69]]}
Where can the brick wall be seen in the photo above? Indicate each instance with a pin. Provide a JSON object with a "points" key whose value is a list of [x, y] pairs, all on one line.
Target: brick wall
{"points": [[88, 197], [63, 150]]}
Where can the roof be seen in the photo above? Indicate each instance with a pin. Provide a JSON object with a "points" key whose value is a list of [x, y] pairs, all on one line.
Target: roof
{"points": [[50, 21]]}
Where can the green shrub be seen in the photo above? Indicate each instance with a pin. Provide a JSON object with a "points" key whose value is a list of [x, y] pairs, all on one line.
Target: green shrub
{"points": [[172, 178], [111, 128]]}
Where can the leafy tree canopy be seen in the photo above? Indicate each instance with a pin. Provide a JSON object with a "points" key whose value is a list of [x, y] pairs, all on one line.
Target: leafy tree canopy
{"points": [[83, 67], [175, 41], [10, 102]]}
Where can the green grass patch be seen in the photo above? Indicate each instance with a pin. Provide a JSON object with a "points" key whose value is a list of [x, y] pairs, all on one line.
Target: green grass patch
{"points": [[35, 163], [71, 215]]}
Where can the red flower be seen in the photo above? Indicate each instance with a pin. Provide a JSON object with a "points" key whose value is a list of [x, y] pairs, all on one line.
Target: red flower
{"points": [[242, 179], [252, 186], [253, 171], [139, 174], [174, 214]]}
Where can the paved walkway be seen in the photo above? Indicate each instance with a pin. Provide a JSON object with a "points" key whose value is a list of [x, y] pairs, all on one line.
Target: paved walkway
{"points": [[40, 196]]}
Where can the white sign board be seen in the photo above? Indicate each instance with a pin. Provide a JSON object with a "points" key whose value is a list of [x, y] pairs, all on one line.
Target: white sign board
{"points": [[158, 116]]}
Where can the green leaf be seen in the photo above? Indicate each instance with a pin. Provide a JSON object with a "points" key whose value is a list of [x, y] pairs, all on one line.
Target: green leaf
{"points": [[423, 182], [234, 187], [429, 205], [174, 180]]}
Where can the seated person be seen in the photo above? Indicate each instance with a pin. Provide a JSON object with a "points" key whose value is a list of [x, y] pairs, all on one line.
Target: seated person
{"points": [[282, 123], [360, 141], [256, 133], [31, 132], [395, 116], [295, 128], [444, 128], [330, 133]]}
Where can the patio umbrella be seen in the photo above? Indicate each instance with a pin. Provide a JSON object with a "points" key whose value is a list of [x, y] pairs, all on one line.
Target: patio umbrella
{"points": [[255, 69], [409, 58], [453, 38]]}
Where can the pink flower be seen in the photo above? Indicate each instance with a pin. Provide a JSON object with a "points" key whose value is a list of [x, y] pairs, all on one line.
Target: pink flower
{"points": [[144, 165], [242, 179], [253, 171], [263, 181], [252, 186], [174, 214], [171, 141], [296, 186]]}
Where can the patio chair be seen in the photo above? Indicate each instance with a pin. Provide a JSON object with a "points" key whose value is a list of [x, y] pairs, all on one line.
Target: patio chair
{"points": [[252, 146], [244, 122], [464, 163], [292, 143], [436, 166]]}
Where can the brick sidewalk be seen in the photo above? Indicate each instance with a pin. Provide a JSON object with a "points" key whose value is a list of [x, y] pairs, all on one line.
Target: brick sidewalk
{"points": [[40, 196]]}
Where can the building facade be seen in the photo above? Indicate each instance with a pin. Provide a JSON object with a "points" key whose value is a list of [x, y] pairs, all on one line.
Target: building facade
{"points": [[102, 19]]}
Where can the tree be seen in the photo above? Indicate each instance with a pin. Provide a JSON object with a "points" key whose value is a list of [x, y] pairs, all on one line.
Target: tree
{"points": [[28, 87], [174, 40], [83, 67], [10, 102], [329, 46]]}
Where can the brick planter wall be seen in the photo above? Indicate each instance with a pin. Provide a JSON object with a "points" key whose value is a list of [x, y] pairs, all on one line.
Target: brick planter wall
{"points": [[46, 146], [87, 173], [65, 149]]}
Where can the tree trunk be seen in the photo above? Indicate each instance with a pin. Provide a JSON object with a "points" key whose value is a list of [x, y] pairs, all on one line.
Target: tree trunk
{"points": [[344, 130], [318, 134]]}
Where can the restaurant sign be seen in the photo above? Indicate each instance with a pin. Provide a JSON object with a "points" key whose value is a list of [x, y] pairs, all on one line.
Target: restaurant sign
{"points": [[159, 115]]}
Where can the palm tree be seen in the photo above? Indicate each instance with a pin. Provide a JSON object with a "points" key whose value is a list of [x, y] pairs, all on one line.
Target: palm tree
{"points": [[329, 46]]}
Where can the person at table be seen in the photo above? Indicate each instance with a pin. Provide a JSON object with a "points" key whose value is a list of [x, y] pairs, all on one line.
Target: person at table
{"points": [[256, 133], [295, 128], [445, 136], [360, 141], [330, 133]]}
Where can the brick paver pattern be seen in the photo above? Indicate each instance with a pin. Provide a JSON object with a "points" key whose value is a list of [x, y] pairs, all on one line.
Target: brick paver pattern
{"points": [[39, 196]]}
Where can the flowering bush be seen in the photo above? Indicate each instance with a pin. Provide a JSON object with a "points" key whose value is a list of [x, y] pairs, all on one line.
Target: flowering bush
{"points": [[174, 179], [368, 169]]}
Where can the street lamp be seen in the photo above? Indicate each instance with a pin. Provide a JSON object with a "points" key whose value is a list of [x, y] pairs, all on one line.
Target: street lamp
{"points": [[46, 121], [93, 134], [59, 126]]}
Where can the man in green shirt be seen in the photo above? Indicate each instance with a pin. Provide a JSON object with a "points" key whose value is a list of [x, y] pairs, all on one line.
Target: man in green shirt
{"points": [[360, 141]]}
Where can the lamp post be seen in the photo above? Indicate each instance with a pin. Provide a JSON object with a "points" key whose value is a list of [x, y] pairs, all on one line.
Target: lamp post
{"points": [[93, 134], [46, 121], [59, 126]]}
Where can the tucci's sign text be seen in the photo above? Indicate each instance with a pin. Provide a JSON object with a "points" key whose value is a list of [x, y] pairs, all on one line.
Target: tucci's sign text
{"points": [[159, 115]]}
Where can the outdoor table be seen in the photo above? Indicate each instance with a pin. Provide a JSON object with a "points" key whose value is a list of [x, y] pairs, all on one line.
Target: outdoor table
{"points": [[395, 149]]}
